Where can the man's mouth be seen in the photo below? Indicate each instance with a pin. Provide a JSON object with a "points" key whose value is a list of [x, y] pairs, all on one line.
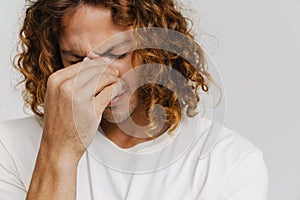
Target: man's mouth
{"points": [[119, 96], [116, 99]]}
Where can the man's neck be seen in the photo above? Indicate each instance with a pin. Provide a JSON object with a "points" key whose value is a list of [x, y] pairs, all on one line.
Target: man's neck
{"points": [[126, 135]]}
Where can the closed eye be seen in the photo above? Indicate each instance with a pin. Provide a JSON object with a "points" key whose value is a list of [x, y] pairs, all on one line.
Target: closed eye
{"points": [[75, 60], [114, 56]]}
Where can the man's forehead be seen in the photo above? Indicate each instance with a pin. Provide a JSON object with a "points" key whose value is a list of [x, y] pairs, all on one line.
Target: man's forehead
{"points": [[82, 13], [91, 28]]}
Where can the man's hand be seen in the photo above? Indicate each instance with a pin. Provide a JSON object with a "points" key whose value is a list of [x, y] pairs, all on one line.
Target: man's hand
{"points": [[75, 98]]}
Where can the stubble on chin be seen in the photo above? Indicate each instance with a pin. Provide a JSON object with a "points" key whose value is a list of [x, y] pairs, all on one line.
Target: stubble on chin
{"points": [[119, 114]]}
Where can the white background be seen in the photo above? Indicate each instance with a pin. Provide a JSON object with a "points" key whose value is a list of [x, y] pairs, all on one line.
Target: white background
{"points": [[257, 47]]}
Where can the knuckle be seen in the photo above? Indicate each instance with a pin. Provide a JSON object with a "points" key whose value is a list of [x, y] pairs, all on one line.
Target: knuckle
{"points": [[78, 99], [108, 78], [65, 87], [102, 74], [53, 80]]}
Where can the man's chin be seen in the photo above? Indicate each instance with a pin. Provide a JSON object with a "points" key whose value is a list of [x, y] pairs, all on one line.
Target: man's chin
{"points": [[119, 113], [115, 118]]}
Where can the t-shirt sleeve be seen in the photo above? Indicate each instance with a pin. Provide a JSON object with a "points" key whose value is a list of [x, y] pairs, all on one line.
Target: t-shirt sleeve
{"points": [[11, 185], [248, 181]]}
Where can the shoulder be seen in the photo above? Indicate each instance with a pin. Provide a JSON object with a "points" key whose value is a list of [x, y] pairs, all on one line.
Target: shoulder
{"points": [[23, 133], [20, 130], [231, 144], [229, 148], [236, 167], [20, 138], [215, 140], [19, 125]]}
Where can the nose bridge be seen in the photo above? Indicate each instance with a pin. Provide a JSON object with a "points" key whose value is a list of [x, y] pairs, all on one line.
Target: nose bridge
{"points": [[92, 55], [109, 62]]}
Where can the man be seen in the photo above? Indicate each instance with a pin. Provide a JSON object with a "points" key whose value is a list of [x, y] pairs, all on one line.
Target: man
{"points": [[86, 95]]}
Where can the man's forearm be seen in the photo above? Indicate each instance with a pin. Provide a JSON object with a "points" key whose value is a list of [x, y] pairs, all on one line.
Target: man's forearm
{"points": [[53, 179]]}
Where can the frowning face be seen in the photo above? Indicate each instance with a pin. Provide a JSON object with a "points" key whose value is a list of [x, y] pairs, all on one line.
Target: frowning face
{"points": [[79, 39]]}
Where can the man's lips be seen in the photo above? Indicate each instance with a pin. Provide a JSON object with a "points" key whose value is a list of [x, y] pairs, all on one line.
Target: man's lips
{"points": [[121, 89], [116, 99]]}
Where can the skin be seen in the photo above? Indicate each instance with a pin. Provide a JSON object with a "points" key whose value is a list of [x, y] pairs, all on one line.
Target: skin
{"points": [[66, 135]]}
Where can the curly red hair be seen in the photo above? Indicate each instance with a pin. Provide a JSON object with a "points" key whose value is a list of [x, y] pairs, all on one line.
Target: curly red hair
{"points": [[39, 55]]}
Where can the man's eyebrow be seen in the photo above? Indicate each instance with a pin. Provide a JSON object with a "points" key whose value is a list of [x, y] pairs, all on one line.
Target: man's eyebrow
{"points": [[71, 53], [110, 49]]}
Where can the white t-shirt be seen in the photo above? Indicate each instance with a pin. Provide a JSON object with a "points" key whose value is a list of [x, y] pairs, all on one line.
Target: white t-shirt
{"points": [[211, 166]]}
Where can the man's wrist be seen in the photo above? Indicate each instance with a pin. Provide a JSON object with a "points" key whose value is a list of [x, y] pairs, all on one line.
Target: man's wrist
{"points": [[53, 178], [60, 161]]}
